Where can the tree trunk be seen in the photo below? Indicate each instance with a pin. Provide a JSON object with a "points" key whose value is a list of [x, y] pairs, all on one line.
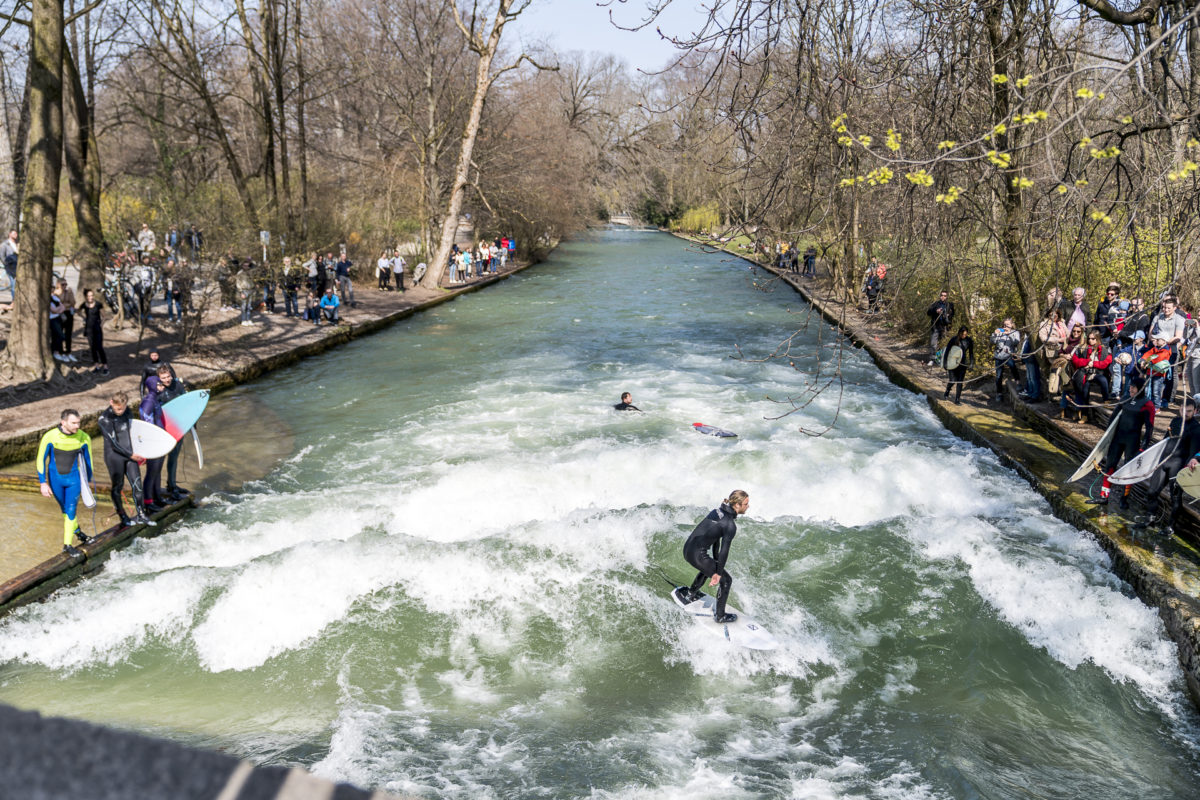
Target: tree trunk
{"points": [[483, 83], [301, 136], [196, 76], [83, 174], [28, 354], [1012, 227], [262, 96], [20, 148], [275, 46], [10, 201]]}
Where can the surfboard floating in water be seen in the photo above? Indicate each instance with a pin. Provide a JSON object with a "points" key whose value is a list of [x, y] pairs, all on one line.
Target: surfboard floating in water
{"points": [[713, 430], [744, 631]]}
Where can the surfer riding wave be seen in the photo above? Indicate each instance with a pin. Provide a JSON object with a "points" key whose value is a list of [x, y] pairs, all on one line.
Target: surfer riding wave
{"points": [[715, 532]]}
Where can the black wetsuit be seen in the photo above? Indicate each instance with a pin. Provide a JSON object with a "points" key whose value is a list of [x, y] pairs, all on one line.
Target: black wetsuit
{"points": [[94, 330], [715, 532], [149, 370], [118, 457], [1132, 435], [1188, 446], [176, 389], [958, 375], [623, 406]]}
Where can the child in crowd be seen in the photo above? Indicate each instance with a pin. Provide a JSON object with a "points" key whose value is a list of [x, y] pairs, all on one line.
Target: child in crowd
{"points": [[1155, 365]]}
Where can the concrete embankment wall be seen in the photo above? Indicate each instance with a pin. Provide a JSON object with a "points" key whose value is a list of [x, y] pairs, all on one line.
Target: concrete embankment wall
{"points": [[1165, 573]]}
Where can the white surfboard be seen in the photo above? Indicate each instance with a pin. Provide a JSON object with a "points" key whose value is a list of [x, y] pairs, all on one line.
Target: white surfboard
{"points": [[953, 358], [419, 272], [150, 441], [1097, 454], [744, 632], [85, 489], [199, 452], [1145, 464], [1189, 481]]}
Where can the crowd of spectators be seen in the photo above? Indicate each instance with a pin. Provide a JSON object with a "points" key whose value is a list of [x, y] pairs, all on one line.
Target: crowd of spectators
{"points": [[480, 259], [173, 266], [1084, 358]]}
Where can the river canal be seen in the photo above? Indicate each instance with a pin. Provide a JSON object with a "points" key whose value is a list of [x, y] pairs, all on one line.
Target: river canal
{"points": [[450, 587]]}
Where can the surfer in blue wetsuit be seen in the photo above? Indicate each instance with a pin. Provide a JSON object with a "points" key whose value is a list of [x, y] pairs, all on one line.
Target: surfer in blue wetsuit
{"points": [[59, 472], [626, 403], [714, 533]]}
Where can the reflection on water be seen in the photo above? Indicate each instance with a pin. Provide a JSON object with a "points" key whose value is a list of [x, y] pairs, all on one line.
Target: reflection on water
{"points": [[243, 439]]}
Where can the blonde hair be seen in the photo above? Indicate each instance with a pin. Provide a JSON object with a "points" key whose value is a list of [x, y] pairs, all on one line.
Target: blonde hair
{"points": [[736, 496]]}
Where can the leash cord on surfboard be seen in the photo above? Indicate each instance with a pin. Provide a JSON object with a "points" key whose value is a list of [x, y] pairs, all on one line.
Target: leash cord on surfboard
{"points": [[662, 573]]}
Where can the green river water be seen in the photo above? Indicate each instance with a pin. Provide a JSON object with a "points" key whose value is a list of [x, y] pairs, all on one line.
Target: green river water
{"points": [[449, 587]]}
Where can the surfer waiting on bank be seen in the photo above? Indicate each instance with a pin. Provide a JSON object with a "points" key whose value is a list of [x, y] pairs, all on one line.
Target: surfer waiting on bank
{"points": [[62, 453], [1186, 429], [626, 403], [715, 532], [122, 463], [1133, 422]]}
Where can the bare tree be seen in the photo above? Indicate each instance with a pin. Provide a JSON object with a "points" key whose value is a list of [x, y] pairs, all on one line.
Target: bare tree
{"points": [[483, 40], [28, 355]]}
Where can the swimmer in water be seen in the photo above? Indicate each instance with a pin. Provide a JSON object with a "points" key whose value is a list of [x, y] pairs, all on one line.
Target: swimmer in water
{"points": [[626, 403]]}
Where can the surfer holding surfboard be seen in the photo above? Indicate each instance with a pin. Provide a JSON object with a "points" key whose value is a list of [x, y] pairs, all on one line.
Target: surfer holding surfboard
{"points": [[63, 454], [958, 354], [119, 457], [715, 532], [1133, 421], [1187, 429]]}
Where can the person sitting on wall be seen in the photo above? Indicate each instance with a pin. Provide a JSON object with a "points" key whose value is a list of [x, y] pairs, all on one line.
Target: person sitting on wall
{"points": [[329, 306]]}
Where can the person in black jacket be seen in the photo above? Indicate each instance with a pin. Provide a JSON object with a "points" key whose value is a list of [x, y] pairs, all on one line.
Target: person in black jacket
{"points": [[1103, 318], [1136, 320], [1187, 428], [171, 387], [958, 374], [119, 458], [150, 369], [941, 317], [714, 533], [93, 328]]}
